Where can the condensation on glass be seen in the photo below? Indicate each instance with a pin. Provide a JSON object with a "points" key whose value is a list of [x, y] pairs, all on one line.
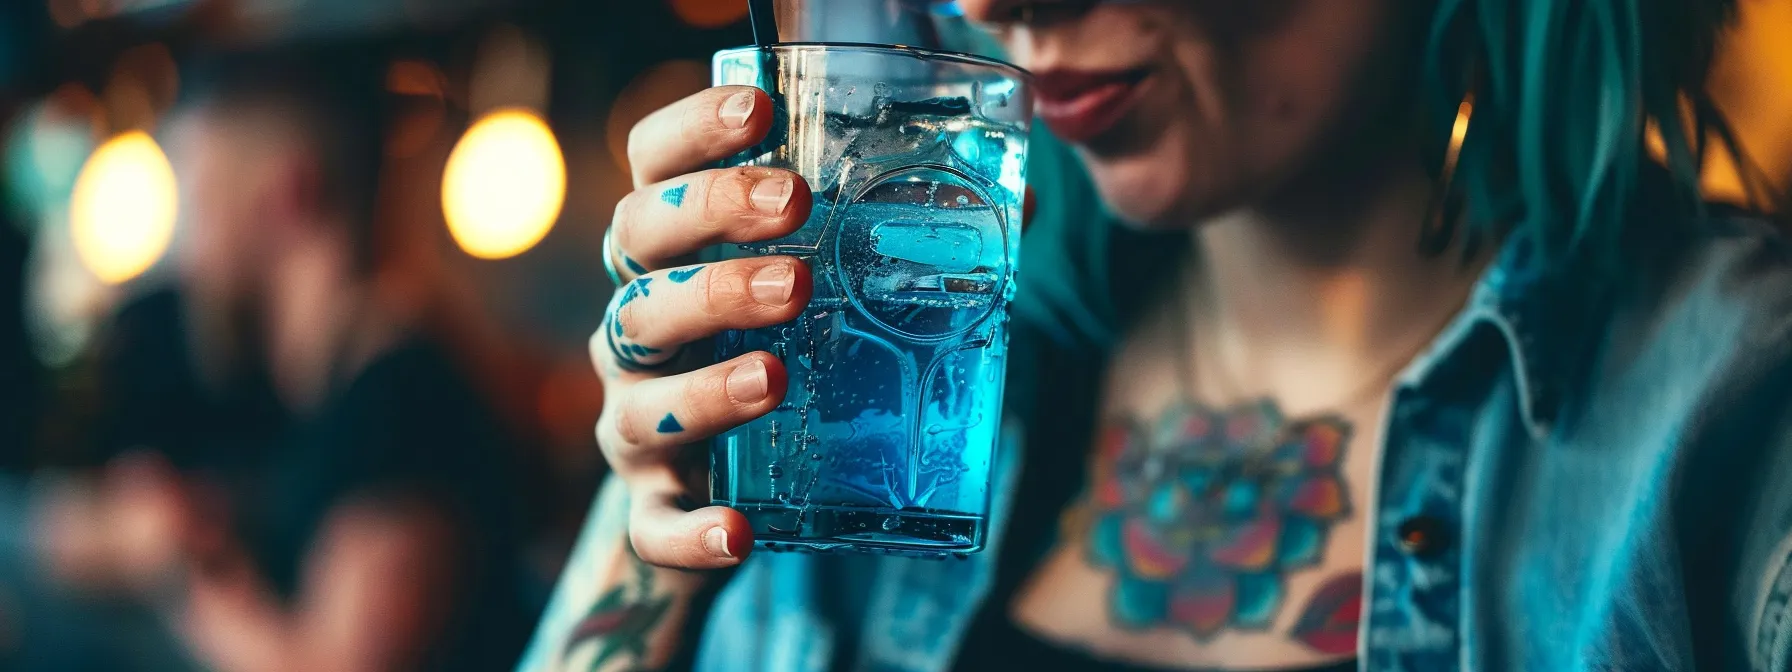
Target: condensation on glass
{"points": [[886, 437]]}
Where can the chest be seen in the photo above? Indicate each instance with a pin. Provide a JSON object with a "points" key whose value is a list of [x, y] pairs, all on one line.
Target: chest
{"points": [[1586, 547], [1211, 535]]}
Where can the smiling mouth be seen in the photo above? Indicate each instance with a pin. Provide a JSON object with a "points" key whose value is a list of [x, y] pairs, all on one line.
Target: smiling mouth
{"points": [[1080, 105]]}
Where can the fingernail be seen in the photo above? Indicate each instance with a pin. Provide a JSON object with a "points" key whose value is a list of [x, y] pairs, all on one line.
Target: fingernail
{"points": [[716, 540], [748, 383], [736, 109], [771, 195], [774, 284]]}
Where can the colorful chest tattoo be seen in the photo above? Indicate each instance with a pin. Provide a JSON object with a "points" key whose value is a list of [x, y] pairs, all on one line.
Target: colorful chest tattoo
{"points": [[1203, 515]]}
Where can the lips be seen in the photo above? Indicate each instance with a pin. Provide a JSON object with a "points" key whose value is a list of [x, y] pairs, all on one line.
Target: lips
{"points": [[1079, 105]]}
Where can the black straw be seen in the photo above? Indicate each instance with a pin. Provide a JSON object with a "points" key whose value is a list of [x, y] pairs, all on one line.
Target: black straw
{"points": [[765, 22]]}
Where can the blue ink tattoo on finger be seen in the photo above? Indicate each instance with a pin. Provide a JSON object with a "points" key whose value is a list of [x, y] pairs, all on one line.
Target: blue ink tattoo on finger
{"points": [[629, 356], [675, 196], [670, 425], [684, 276], [633, 357], [633, 266], [633, 291]]}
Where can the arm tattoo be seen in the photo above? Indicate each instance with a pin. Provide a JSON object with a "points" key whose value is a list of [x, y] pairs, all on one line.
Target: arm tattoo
{"points": [[621, 621], [593, 609], [1204, 514]]}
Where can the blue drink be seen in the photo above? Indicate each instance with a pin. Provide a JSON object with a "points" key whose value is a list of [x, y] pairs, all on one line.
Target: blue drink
{"points": [[885, 439]]}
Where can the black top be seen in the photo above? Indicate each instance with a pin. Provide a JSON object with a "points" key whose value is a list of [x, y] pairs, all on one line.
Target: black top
{"points": [[407, 426], [996, 644], [151, 396]]}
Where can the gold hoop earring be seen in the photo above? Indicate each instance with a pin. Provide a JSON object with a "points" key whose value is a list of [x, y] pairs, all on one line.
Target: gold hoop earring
{"points": [[1446, 205]]}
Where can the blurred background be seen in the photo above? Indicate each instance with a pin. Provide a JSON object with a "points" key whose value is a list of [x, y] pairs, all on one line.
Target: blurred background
{"points": [[293, 305]]}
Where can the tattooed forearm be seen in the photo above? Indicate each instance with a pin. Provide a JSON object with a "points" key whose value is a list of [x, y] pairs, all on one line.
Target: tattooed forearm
{"points": [[611, 611], [621, 621]]}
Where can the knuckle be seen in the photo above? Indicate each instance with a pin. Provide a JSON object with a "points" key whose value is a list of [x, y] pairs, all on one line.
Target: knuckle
{"points": [[726, 289], [625, 322], [715, 203], [596, 347], [728, 195], [639, 138], [625, 208], [697, 120], [626, 426], [608, 440]]}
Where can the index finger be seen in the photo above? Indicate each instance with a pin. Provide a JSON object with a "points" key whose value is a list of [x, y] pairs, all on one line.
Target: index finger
{"points": [[693, 133]]}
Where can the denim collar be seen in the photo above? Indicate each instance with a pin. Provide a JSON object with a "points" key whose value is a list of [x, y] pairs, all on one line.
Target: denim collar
{"points": [[1544, 313]]}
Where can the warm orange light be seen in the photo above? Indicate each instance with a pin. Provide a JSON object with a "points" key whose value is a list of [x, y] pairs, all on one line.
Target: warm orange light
{"points": [[709, 13], [504, 185], [122, 211]]}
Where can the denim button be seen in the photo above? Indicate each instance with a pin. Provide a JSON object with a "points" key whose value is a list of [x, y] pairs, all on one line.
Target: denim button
{"points": [[1422, 536]]}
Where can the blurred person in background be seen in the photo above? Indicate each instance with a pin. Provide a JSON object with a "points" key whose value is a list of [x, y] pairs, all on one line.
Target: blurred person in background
{"points": [[1372, 337], [368, 522], [382, 521]]}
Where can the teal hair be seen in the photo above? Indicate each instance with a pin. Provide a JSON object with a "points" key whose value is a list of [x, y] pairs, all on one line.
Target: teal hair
{"points": [[1563, 93]]}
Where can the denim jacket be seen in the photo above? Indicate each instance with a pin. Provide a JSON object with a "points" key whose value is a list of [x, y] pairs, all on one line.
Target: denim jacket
{"points": [[1608, 460]]}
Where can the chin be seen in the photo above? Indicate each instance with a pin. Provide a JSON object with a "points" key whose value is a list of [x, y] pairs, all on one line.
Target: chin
{"points": [[1155, 194]]}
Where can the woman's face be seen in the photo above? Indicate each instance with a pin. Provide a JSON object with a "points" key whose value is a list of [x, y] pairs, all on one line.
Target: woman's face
{"points": [[1184, 109]]}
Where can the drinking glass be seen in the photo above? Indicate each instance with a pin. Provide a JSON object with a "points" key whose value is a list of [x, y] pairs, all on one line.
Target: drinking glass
{"points": [[917, 160]]}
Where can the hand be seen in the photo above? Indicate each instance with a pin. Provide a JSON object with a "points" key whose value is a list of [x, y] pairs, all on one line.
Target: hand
{"points": [[150, 516], [655, 407]]}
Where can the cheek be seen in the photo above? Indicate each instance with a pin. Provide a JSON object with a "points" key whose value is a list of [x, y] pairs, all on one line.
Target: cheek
{"points": [[1311, 84]]}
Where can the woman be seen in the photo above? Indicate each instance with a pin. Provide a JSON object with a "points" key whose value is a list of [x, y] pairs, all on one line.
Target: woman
{"points": [[1537, 388]]}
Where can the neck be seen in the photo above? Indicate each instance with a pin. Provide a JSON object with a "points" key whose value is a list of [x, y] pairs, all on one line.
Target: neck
{"points": [[1326, 291], [321, 324]]}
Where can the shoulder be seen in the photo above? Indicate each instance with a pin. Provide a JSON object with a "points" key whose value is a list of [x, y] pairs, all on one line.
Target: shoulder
{"points": [[415, 377], [1714, 305], [1716, 314]]}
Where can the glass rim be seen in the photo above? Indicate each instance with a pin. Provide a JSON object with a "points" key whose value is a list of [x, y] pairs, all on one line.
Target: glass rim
{"points": [[892, 49]]}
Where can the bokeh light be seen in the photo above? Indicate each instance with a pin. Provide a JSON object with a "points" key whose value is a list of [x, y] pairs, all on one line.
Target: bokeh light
{"points": [[653, 89], [709, 13], [504, 185], [121, 214]]}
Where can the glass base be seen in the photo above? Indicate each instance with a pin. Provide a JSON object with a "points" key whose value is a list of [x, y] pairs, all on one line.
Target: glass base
{"points": [[830, 529]]}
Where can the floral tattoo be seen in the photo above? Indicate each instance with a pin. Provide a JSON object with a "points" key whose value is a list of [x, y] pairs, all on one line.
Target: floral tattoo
{"points": [[1203, 516]]}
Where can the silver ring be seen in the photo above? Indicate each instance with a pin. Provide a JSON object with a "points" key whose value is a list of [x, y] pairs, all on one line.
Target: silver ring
{"points": [[610, 259]]}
